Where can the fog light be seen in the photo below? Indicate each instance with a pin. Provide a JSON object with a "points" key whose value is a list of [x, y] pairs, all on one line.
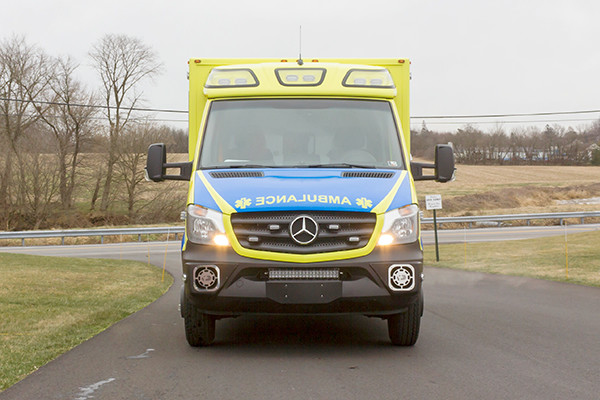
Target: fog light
{"points": [[206, 278], [385, 240], [221, 240], [401, 277]]}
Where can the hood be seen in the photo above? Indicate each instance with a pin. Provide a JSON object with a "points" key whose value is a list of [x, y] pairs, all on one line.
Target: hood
{"points": [[249, 190]]}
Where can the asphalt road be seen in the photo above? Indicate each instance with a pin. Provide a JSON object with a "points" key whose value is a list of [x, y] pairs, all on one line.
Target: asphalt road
{"points": [[482, 337]]}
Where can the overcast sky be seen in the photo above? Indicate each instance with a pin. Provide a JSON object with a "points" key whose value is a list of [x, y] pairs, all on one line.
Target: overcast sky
{"points": [[468, 57]]}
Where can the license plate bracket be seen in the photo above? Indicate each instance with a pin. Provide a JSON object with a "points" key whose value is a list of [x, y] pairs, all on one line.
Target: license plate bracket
{"points": [[289, 292]]}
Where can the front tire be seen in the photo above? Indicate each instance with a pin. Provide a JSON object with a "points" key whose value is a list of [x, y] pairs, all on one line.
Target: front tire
{"points": [[199, 327], [403, 328]]}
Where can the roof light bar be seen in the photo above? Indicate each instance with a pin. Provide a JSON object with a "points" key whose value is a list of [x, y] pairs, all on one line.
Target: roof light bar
{"points": [[371, 78], [231, 77], [300, 76]]}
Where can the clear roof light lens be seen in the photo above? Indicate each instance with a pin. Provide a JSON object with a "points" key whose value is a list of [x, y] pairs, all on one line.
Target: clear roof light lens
{"points": [[373, 78], [300, 76], [231, 77]]}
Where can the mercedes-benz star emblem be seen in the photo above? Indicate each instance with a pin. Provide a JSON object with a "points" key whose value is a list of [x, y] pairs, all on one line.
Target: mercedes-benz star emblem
{"points": [[304, 229]]}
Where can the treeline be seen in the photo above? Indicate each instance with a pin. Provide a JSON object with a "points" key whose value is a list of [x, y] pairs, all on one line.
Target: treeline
{"points": [[553, 145], [73, 155]]}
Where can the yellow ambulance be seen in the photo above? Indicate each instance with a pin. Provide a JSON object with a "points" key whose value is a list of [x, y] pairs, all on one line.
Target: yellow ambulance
{"points": [[301, 196]]}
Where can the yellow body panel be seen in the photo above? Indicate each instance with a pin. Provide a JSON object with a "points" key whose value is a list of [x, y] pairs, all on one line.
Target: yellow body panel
{"points": [[269, 86]]}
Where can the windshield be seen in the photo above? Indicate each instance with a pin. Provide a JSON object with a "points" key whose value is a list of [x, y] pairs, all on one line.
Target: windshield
{"points": [[301, 133]]}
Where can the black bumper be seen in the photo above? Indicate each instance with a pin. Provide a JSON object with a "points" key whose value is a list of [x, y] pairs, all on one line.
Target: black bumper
{"points": [[244, 286]]}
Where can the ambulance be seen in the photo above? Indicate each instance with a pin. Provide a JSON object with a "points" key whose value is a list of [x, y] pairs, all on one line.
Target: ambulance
{"points": [[301, 196]]}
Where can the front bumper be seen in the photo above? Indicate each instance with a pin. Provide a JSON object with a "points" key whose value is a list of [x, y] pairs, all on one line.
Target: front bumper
{"points": [[244, 286]]}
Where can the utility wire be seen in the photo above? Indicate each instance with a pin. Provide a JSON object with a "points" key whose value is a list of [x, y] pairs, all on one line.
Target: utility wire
{"points": [[507, 115], [543, 121], [56, 103], [414, 117], [99, 118]]}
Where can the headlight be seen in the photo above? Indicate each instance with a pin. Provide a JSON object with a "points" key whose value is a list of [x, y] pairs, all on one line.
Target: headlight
{"points": [[205, 226], [400, 226]]}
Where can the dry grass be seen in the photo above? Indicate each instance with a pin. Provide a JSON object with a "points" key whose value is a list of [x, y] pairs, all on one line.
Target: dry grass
{"points": [[487, 190]]}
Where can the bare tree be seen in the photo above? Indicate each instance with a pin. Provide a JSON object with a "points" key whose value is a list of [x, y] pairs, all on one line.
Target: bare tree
{"points": [[70, 123], [499, 145], [39, 180], [25, 72], [123, 63], [132, 157], [468, 145]]}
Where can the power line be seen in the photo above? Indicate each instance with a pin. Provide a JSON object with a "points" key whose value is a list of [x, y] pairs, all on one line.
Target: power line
{"points": [[414, 117], [507, 115], [56, 103], [509, 122], [99, 118]]}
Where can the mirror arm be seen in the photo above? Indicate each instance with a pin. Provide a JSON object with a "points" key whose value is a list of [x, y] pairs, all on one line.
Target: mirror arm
{"points": [[185, 171], [416, 168]]}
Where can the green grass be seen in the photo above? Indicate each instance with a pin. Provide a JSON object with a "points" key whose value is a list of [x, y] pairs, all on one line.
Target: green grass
{"points": [[51, 304], [544, 258]]}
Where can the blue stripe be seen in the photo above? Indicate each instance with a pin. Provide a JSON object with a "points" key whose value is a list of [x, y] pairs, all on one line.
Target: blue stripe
{"points": [[302, 189]]}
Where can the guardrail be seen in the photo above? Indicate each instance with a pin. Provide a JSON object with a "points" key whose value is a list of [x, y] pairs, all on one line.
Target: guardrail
{"points": [[513, 217], [177, 230]]}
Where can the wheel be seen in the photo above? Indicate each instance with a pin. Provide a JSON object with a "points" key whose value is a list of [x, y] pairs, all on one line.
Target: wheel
{"points": [[199, 327], [403, 328]]}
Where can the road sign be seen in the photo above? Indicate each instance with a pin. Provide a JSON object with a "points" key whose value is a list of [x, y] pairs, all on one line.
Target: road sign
{"points": [[433, 202]]}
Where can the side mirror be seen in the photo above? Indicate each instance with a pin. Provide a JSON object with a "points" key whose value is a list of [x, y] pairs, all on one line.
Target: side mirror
{"points": [[443, 166], [156, 165], [157, 157], [444, 163]]}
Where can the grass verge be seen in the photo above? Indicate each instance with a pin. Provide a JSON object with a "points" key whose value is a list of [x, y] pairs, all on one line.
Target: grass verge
{"points": [[544, 258], [51, 304]]}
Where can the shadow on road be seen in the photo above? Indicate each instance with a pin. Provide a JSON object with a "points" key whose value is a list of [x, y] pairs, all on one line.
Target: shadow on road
{"points": [[301, 332]]}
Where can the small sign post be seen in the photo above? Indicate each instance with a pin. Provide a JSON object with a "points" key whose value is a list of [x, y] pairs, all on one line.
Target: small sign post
{"points": [[434, 202]]}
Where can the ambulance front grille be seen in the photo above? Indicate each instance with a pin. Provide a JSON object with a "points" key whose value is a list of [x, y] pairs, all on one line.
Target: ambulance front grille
{"points": [[270, 231]]}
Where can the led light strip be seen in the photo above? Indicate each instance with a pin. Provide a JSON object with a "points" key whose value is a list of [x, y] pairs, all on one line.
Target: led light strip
{"points": [[293, 273]]}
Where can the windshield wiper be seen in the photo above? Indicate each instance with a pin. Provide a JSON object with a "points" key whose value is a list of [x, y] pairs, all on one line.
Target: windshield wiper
{"points": [[333, 165], [238, 166], [341, 165]]}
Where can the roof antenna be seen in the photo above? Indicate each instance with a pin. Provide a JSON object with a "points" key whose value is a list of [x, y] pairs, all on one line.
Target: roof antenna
{"points": [[300, 62]]}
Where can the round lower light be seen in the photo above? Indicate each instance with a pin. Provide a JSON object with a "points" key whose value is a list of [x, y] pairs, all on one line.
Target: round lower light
{"points": [[221, 240], [385, 240]]}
